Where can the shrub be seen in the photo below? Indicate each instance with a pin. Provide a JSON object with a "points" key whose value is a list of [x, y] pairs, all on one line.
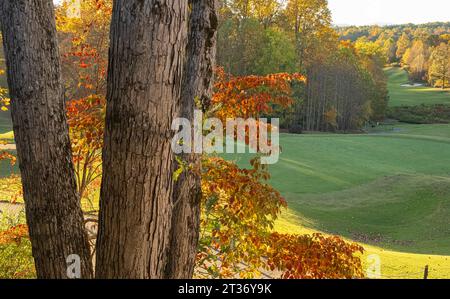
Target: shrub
{"points": [[423, 114], [16, 260], [296, 129]]}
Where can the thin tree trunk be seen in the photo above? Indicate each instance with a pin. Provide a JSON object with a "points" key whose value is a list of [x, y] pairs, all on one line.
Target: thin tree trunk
{"points": [[197, 84], [146, 60], [444, 77], [53, 211]]}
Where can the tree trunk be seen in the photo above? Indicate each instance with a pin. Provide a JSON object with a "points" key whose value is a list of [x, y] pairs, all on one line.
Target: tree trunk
{"points": [[146, 60], [197, 84], [54, 216], [444, 78]]}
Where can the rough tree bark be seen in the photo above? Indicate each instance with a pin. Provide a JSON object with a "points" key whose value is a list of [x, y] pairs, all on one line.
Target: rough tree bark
{"points": [[197, 85], [146, 60], [53, 209]]}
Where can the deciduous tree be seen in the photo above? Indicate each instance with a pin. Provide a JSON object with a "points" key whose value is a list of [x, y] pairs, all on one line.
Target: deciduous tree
{"points": [[307, 18], [439, 72], [146, 61], [196, 93], [53, 210], [417, 60], [403, 44]]}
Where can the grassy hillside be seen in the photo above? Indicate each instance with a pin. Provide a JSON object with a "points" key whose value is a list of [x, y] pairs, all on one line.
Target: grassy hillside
{"points": [[326, 163], [389, 190], [5, 116], [5, 123], [412, 96], [6, 134], [394, 264]]}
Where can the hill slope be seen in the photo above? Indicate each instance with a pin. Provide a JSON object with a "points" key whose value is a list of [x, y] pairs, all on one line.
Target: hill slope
{"points": [[412, 96], [388, 190]]}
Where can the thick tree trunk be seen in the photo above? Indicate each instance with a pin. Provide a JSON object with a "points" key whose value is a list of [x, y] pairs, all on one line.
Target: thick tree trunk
{"points": [[146, 60], [53, 210], [197, 84]]}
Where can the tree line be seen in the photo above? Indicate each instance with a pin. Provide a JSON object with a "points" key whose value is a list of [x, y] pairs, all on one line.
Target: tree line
{"points": [[346, 87], [423, 50]]}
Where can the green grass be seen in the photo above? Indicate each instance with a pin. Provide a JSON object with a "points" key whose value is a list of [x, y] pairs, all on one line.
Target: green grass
{"points": [[6, 169], [7, 137], [6, 134], [314, 164], [5, 122], [399, 129], [5, 166], [5, 116], [412, 96], [394, 264], [407, 213], [389, 191]]}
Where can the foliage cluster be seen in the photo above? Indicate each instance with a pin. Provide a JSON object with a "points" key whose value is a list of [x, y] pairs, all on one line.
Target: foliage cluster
{"points": [[421, 114]]}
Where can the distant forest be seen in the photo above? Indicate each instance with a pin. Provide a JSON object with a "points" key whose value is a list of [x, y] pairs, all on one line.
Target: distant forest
{"points": [[423, 50]]}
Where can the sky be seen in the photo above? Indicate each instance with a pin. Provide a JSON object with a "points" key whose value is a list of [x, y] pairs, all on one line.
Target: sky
{"points": [[385, 12]]}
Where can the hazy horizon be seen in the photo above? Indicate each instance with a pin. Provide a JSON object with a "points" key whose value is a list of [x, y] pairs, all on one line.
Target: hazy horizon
{"points": [[385, 12], [388, 12]]}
